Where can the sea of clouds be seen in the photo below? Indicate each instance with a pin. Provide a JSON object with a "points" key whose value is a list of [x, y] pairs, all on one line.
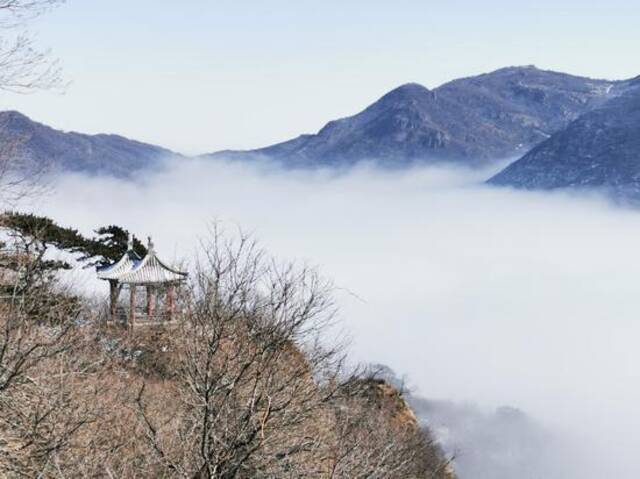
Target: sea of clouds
{"points": [[481, 295]]}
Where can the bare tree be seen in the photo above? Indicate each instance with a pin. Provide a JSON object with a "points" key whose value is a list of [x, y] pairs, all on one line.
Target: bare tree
{"points": [[23, 69], [257, 395], [241, 387], [378, 436], [20, 175], [38, 412], [247, 399]]}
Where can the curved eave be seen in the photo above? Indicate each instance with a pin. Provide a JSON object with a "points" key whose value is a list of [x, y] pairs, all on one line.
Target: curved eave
{"points": [[151, 270], [122, 266]]}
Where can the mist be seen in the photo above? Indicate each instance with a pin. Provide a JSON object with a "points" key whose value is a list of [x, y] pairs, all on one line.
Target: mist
{"points": [[482, 295]]}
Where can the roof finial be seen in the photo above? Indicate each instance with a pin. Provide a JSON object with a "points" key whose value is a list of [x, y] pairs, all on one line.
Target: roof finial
{"points": [[149, 243], [130, 242]]}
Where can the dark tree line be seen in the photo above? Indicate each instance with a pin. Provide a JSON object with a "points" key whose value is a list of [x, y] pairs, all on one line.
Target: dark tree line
{"points": [[30, 259], [107, 245]]}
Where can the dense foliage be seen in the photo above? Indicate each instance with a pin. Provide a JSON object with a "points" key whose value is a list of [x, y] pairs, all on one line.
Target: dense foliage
{"points": [[109, 244]]}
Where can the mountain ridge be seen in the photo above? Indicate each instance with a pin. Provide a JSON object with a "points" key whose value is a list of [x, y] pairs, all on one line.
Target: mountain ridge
{"points": [[41, 147], [495, 115], [469, 121], [600, 149]]}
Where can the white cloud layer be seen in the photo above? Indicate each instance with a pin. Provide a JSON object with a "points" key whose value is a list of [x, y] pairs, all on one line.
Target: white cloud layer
{"points": [[483, 295]]}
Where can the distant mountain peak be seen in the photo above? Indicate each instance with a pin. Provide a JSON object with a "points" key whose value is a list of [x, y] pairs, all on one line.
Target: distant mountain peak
{"points": [[516, 68], [410, 96], [42, 147], [409, 89], [13, 119], [407, 93], [472, 120], [601, 149], [13, 114]]}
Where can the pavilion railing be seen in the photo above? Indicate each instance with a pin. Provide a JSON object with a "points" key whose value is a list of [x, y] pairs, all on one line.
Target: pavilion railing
{"points": [[142, 316]]}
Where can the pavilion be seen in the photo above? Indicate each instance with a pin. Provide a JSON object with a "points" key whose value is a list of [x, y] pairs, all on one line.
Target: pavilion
{"points": [[150, 273]]}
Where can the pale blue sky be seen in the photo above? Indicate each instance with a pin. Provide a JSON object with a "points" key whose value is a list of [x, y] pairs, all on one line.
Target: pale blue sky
{"points": [[199, 76]]}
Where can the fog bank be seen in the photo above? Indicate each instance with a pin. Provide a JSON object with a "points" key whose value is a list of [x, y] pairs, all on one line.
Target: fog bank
{"points": [[478, 294]]}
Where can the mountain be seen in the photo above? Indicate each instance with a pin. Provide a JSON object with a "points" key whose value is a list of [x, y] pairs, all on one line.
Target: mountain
{"points": [[472, 120], [601, 149], [39, 146], [491, 116]]}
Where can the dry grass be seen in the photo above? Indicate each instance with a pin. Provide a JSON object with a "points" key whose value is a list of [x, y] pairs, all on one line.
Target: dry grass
{"points": [[238, 387]]}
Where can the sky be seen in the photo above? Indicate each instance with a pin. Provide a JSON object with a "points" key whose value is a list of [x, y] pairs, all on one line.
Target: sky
{"points": [[198, 76]]}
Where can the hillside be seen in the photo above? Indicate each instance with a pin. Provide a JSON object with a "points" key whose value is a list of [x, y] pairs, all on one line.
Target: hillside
{"points": [[601, 150], [470, 120], [41, 147], [236, 385]]}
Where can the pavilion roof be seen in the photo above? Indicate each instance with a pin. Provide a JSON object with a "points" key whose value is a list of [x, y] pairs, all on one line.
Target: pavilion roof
{"points": [[130, 269]]}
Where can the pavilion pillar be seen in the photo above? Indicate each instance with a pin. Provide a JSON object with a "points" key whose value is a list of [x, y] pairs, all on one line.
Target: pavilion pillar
{"points": [[170, 302], [151, 300], [132, 306], [113, 298]]}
